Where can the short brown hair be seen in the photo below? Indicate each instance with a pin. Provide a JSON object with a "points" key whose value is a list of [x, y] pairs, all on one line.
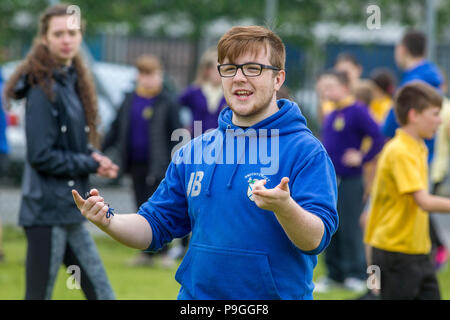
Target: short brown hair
{"points": [[207, 60], [384, 79], [416, 95], [364, 91], [415, 42], [345, 56], [148, 64], [341, 76], [239, 40]]}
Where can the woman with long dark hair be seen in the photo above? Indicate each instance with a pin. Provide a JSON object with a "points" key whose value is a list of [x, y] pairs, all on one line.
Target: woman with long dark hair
{"points": [[60, 117]]}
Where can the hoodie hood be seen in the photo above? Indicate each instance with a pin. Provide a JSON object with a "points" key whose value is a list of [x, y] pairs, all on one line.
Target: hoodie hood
{"points": [[287, 120], [426, 71]]}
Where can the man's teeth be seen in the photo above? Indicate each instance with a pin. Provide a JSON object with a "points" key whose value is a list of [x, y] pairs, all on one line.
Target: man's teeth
{"points": [[243, 93]]}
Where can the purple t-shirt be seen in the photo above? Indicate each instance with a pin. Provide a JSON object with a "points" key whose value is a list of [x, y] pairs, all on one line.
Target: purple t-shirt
{"points": [[344, 129], [194, 99], [141, 112]]}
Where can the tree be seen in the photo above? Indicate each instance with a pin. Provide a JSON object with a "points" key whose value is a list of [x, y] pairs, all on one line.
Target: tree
{"points": [[295, 18]]}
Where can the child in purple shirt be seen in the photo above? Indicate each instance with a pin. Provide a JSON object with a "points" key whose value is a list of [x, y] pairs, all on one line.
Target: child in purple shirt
{"points": [[342, 134]]}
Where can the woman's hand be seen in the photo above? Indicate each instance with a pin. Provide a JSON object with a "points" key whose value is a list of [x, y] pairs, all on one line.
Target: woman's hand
{"points": [[107, 168]]}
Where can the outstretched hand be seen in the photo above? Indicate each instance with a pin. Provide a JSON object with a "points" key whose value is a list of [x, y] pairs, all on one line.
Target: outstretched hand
{"points": [[93, 208], [271, 199]]}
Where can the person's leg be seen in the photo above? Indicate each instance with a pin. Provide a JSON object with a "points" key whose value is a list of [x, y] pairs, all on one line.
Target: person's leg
{"points": [[82, 252], [352, 250], [400, 275], [2, 254], [142, 192], [429, 289], [333, 251], [3, 166], [138, 174], [438, 249], [4, 163], [332, 259], [45, 250]]}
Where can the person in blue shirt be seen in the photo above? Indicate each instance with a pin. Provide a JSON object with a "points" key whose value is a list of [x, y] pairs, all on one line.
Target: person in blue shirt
{"points": [[410, 56], [258, 193], [4, 150], [4, 147]]}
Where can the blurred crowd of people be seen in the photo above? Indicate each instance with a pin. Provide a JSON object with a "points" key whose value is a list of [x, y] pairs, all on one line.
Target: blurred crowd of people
{"points": [[64, 148], [4, 150], [141, 131], [356, 115], [357, 119]]}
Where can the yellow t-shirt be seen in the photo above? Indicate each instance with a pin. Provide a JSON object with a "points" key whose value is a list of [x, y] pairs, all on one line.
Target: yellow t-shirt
{"points": [[380, 107], [396, 223], [328, 106]]}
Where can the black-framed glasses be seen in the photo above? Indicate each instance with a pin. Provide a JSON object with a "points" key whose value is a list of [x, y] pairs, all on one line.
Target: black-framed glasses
{"points": [[249, 69]]}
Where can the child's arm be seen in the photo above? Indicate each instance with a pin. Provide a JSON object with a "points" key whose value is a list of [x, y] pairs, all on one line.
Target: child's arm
{"points": [[431, 203]]}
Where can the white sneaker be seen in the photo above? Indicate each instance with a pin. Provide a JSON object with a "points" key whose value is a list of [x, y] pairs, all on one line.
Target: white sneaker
{"points": [[355, 284], [325, 284]]}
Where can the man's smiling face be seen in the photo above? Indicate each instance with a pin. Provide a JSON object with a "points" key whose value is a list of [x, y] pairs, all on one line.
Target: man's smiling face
{"points": [[252, 99]]}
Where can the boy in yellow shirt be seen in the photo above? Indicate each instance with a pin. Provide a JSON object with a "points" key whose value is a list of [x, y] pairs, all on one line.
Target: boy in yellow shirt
{"points": [[398, 227]]}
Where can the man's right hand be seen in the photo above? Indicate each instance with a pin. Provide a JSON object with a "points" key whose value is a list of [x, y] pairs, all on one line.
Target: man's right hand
{"points": [[93, 208]]}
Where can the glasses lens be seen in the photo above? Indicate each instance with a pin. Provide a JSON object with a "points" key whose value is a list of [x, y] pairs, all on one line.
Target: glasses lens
{"points": [[227, 70], [252, 69]]}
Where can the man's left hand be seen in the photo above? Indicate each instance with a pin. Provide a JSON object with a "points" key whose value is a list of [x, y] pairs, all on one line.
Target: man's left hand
{"points": [[271, 199]]}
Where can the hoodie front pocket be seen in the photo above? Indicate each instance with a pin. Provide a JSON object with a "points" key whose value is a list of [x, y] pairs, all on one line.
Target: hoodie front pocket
{"points": [[209, 272]]}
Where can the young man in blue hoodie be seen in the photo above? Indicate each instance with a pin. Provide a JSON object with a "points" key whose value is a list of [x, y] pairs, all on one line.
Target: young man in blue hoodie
{"points": [[258, 193]]}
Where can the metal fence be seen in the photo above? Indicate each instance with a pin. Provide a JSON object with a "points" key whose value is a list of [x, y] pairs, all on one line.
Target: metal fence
{"points": [[177, 55]]}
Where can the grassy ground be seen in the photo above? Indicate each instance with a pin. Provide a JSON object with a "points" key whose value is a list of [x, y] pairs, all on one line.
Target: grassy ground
{"points": [[128, 282]]}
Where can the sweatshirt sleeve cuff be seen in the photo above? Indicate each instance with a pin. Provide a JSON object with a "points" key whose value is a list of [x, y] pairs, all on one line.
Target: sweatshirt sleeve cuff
{"points": [[320, 247]]}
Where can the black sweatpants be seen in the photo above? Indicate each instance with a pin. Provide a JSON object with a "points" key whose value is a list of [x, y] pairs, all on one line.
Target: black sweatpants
{"points": [[406, 276], [345, 255], [143, 190], [49, 246]]}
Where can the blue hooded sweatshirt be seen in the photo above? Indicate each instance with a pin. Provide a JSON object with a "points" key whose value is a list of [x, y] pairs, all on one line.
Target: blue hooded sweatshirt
{"points": [[237, 250], [427, 72]]}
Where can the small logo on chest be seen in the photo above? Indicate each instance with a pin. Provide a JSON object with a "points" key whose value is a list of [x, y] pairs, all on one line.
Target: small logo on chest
{"points": [[251, 180]]}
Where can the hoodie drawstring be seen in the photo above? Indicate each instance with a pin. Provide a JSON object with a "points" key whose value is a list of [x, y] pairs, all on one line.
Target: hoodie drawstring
{"points": [[208, 186], [230, 182]]}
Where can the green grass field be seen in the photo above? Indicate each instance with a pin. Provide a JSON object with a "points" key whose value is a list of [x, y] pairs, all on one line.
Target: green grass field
{"points": [[129, 283]]}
